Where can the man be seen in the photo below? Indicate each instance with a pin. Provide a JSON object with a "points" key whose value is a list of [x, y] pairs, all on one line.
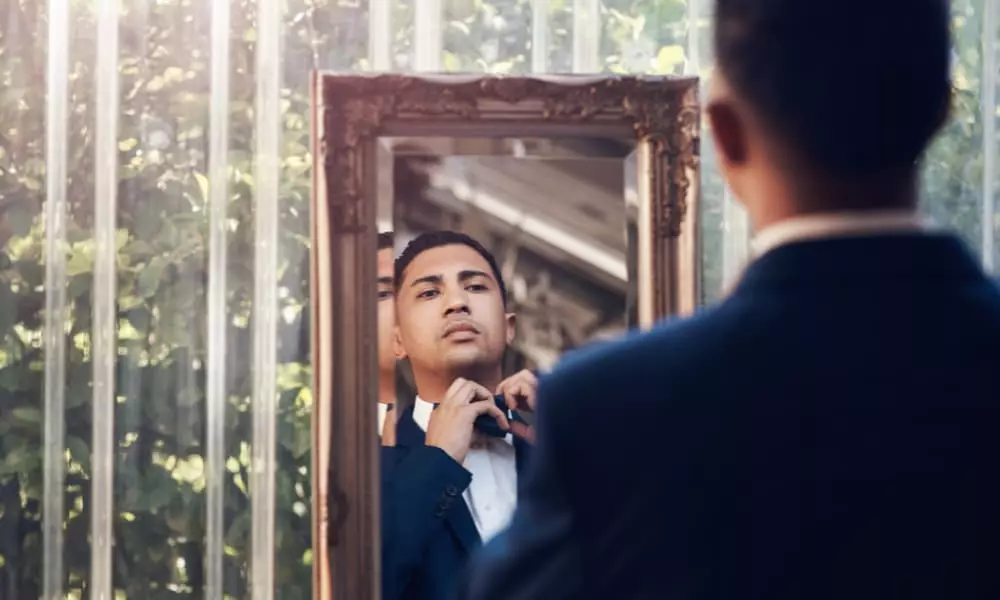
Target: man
{"points": [[446, 486], [831, 429]]}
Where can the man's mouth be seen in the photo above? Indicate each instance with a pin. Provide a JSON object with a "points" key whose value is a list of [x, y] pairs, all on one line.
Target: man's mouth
{"points": [[461, 327]]}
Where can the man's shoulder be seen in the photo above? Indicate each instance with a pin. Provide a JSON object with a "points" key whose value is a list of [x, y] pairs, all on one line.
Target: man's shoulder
{"points": [[658, 345], [673, 355]]}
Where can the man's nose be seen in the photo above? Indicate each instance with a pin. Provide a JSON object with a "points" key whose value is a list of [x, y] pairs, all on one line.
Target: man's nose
{"points": [[456, 302]]}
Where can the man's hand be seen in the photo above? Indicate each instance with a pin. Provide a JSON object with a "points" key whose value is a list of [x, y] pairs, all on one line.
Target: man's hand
{"points": [[450, 427], [519, 391]]}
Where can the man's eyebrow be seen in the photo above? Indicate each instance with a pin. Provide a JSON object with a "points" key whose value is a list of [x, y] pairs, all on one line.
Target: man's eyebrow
{"points": [[472, 274], [385, 280], [427, 279]]}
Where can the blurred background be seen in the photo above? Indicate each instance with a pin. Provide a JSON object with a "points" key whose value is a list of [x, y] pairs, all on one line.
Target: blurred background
{"points": [[155, 175]]}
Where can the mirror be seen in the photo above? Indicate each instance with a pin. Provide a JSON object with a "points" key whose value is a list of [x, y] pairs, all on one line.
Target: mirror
{"points": [[475, 227]]}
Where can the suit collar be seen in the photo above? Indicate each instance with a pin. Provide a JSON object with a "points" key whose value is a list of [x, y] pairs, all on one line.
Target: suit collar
{"points": [[897, 258], [410, 435], [842, 224]]}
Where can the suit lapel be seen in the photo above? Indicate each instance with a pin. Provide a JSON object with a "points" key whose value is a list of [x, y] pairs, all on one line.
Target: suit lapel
{"points": [[459, 519]]}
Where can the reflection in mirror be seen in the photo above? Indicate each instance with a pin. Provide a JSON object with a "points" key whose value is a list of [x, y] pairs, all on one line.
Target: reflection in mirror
{"points": [[508, 253], [569, 206]]}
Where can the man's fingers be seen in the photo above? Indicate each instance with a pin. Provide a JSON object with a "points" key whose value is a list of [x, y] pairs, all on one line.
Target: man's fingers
{"points": [[481, 408], [455, 392], [480, 393], [525, 432], [521, 377], [510, 396], [529, 398], [520, 396], [518, 391]]}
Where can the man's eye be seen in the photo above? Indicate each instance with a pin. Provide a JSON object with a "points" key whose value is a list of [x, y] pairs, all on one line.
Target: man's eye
{"points": [[427, 294], [384, 294], [476, 287]]}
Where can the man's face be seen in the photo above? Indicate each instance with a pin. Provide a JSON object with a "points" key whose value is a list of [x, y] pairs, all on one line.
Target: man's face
{"points": [[450, 312], [386, 312]]}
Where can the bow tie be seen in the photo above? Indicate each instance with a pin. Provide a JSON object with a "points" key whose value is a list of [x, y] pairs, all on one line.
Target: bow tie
{"points": [[487, 425]]}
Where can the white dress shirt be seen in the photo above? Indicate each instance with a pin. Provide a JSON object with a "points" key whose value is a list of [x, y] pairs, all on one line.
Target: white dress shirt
{"points": [[383, 408], [842, 224], [492, 494]]}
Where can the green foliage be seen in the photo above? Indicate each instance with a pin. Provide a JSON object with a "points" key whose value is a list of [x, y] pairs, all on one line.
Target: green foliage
{"points": [[163, 252]]}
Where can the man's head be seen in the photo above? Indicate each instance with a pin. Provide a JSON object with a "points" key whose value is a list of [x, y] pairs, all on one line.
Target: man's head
{"points": [[809, 93], [451, 317], [386, 306]]}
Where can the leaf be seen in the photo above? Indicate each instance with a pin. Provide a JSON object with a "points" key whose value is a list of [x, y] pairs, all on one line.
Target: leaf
{"points": [[149, 278], [668, 58], [79, 286], [202, 185], [27, 415], [20, 219], [140, 318], [22, 459], [8, 309], [79, 451], [81, 259]]}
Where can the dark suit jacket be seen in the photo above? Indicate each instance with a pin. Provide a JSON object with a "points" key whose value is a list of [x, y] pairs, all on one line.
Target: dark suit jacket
{"points": [[831, 430], [427, 530]]}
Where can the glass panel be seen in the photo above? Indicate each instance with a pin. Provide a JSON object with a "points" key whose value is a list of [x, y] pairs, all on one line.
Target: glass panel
{"points": [[427, 23], [215, 388], [491, 37], [104, 332], [953, 170], [988, 218], [162, 252], [32, 380]]}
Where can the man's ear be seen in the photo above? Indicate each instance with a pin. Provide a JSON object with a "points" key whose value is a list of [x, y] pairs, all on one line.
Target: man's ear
{"points": [[397, 344], [726, 123], [511, 319], [728, 131]]}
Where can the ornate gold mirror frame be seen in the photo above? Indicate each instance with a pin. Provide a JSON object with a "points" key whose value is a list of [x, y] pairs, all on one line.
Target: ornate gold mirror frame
{"points": [[351, 113]]}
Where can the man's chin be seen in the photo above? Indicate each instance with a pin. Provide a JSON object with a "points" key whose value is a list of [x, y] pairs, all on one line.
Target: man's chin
{"points": [[460, 360]]}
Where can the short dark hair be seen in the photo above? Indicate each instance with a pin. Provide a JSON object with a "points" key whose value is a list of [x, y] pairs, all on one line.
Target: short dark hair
{"points": [[436, 239], [857, 87], [386, 239]]}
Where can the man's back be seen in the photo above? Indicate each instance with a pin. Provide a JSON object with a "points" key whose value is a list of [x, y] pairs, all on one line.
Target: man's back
{"points": [[829, 431]]}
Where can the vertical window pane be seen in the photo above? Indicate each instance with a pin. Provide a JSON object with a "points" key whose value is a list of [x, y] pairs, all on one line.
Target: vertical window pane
{"points": [[952, 182], [490, 37], [29, 517]]}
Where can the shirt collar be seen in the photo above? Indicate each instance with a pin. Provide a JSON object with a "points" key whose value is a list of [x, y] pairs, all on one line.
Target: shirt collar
{"points": [[842, 224], [422, 410]]}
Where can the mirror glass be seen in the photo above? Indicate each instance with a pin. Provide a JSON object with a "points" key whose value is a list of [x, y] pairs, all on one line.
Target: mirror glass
{"points": [[538, 259]]}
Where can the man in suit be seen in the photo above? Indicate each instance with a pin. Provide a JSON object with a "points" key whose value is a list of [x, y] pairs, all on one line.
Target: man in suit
{"points": [[830, 430], [446, 487]]}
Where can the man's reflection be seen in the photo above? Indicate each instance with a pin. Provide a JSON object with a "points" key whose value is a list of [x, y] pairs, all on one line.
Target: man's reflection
{"points": [[386, 324], [446, 486]]}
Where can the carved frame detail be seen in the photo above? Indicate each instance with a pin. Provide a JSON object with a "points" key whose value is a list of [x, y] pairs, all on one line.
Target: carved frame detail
{"points": [[661, 114]]}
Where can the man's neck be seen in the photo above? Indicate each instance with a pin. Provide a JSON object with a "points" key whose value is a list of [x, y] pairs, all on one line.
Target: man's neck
{"points": [[387, 388], [433, 388], [822, 195]]}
